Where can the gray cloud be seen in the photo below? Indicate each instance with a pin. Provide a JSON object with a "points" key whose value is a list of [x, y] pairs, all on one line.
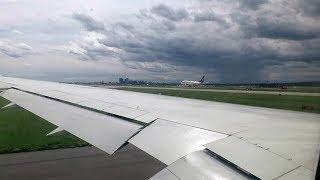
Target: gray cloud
{"points": [[89, 47], [284, 30], [283, 26], [210, 16], [158, 67], [88, 22], [294, 70], [165, 11], [237, 45], [252, 4], [14, 49], [310, 7]]}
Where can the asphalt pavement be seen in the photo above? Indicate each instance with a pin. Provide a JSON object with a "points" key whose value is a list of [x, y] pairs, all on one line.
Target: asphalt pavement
{"points": [[87, 163]]}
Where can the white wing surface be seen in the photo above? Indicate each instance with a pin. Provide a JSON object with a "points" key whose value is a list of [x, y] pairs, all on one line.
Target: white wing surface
{"points": [[103, 131], [196, 139]]}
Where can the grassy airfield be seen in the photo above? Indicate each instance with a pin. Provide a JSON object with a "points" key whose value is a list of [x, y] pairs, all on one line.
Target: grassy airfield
{"points": [[288, 102], [22, 131], [304, 89]]}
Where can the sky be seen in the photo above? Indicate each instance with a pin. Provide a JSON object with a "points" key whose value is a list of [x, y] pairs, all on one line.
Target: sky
{"points": [[231, 41]]}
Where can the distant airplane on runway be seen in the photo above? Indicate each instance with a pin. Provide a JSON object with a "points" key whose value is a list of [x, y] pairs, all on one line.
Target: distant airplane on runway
{"points": [[192, 83]]}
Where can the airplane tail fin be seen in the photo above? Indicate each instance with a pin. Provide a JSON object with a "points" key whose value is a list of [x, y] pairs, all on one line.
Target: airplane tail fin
{"points": [[202, 79]]}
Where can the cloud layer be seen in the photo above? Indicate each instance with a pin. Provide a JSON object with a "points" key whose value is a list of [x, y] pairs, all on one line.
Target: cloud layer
{"points": [[14, 49], [239, 42], [230, 40]]}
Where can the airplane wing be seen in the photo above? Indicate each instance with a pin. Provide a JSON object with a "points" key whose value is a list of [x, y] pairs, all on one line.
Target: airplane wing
{"points": [[196, 139]]}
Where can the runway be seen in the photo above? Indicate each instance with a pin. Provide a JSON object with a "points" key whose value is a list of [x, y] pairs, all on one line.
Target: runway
{"points": [[228, 91], [85, 163]]}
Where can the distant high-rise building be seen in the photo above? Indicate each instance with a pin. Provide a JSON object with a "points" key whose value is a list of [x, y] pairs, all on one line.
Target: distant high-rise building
{"points": [[121, 81], [126, 81]]}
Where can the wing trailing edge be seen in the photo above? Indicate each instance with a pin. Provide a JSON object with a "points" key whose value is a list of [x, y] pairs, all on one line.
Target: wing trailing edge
{"points": [[9, 105], [103, 131]]}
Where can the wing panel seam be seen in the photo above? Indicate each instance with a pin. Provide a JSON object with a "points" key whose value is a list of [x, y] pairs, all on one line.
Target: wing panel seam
{"points": [[85, 107]]}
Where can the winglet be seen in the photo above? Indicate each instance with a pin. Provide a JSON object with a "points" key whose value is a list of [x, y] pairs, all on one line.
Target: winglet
{"points": [[9, 105], [57, 130]]}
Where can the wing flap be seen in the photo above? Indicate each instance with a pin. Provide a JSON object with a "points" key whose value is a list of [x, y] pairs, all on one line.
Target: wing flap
{"points": [[298, 143], [103, 131], [298, 174], [200, 165], [165, 174], [168, 141], [251, 158]]}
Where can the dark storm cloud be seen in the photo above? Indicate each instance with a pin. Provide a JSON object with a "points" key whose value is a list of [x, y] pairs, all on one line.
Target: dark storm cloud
{"points": [[278, 21], [88, 22], [282, 29], [310, 7], [238, 46], [252, 4]]}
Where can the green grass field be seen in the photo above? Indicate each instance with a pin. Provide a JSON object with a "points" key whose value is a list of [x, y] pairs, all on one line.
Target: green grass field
{"points": [[263, 100], [22, 131], [304, 89]]}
